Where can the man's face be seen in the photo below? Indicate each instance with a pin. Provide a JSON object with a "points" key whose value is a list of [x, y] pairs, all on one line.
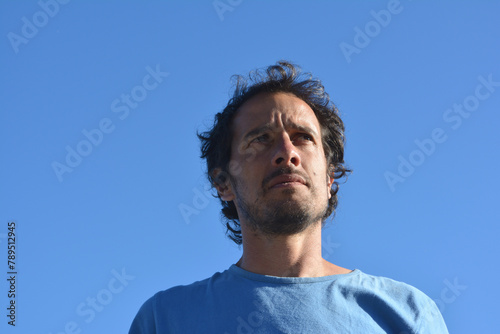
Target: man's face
{"points": [[278, 173]]}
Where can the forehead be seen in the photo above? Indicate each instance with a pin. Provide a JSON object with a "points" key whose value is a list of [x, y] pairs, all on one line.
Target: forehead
{"points": [[275, 110]]}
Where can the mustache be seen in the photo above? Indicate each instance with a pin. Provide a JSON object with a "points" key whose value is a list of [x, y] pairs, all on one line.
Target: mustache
{"points": [[284, 170]]}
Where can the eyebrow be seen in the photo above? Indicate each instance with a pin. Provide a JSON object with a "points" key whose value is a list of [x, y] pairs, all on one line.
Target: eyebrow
{"points": [[268, 127]]}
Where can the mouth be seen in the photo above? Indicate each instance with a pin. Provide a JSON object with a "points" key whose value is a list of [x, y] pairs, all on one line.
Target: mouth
{"points": [[287, 181]]}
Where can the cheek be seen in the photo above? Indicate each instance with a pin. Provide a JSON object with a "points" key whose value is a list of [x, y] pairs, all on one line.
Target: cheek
{"points": [[244, 159], [235, 168], [251, 154]]}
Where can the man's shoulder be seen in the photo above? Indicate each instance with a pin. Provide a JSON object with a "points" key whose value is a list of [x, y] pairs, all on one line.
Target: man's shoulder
{"points": [[387, 293], [194, 288], [382, 281], [176, 296], [386, 287]]}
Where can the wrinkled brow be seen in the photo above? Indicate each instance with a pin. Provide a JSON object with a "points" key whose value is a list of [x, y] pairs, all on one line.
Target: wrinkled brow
{"points": [[268, 127]]}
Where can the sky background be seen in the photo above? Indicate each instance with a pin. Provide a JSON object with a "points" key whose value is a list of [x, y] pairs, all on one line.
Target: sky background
{"points": [[419, 92]]}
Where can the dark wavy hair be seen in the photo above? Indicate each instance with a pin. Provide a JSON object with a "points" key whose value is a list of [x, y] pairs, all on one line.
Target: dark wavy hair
{"points": [[282, 77]]}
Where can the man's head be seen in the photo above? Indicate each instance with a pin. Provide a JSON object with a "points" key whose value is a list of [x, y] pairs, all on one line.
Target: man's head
{"points": [[275, 152]]}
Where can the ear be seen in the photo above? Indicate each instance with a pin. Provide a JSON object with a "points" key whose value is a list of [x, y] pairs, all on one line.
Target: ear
{"points": [[330, 179], [223, 185]]}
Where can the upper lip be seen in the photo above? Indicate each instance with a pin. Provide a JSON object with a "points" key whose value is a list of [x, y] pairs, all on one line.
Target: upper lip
{"points": [[286, 178]]}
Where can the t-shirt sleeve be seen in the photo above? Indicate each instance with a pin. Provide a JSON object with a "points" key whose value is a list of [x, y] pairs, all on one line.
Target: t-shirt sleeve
{"points": [[432, 322], [144, 321]]}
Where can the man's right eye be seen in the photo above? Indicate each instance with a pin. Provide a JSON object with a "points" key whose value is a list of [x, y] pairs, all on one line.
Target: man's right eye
{"points": [[261, 139]]}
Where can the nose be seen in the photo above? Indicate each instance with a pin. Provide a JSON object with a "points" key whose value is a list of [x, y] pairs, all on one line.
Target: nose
{"points": [[285, 153]]}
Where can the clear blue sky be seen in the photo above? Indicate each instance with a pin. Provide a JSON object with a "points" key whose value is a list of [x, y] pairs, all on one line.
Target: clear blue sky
{"points": [[99, 221]]}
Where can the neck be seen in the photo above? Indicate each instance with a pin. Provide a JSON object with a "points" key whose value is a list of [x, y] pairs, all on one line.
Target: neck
{"points": [[297, 255]]}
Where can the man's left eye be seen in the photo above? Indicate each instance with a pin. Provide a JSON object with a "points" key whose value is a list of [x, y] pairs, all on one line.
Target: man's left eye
{"points": [[305, 136]]}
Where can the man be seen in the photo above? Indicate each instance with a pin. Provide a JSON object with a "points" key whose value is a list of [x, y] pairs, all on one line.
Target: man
{"points": [[275, 155]]}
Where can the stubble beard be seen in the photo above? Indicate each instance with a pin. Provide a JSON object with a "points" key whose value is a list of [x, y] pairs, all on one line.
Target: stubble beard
{"points": [[279, 217]]}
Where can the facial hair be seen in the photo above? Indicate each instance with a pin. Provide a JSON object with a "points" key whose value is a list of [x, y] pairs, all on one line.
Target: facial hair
{"points": [[274, 217]]}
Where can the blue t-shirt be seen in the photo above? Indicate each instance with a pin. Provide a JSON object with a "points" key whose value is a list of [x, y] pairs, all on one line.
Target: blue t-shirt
{"points": [[237, 301]]}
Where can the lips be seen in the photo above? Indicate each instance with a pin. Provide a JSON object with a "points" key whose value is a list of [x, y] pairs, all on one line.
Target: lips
{"points": [[286, 180]]}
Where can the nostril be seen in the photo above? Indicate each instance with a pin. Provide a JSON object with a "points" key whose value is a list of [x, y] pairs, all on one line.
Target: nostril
{"points": [[279, 160]]}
